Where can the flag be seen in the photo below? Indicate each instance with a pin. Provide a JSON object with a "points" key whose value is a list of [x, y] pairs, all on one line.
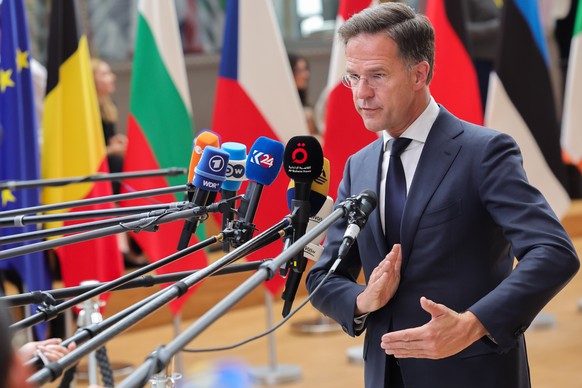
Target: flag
{"points": [[74, 145], [455, 83], [19, 150], [345, 132], [160, 125], [256, 96], [572, 116], [520, 100]]}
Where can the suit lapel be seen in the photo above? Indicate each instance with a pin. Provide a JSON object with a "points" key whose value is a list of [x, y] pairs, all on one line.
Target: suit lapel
{"points": [[439, 152], [373, 182]]}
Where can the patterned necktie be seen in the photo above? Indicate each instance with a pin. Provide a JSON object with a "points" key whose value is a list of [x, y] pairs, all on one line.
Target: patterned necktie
{"points": [[395, 192]]}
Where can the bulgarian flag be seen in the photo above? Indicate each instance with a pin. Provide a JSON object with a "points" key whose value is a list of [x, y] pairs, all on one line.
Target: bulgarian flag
{"points": [[454, 83], [572, 119], [160, 125], [345, 132], [256, 96], [73, 144]]}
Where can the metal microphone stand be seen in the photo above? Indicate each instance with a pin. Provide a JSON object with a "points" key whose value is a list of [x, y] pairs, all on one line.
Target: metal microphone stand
{"points": [[32, 184], [54, 369], [162, 356]]}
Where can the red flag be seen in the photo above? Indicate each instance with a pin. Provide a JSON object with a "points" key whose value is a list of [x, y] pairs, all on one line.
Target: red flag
{"points": [[345, 132], [454, 83]]}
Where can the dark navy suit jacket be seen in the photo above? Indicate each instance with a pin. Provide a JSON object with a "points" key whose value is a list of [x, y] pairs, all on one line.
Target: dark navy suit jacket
{"points": [[470, 211]]}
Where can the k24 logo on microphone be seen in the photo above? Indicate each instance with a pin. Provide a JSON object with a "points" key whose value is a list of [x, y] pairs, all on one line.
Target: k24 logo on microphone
{"points": [[262, 159]]}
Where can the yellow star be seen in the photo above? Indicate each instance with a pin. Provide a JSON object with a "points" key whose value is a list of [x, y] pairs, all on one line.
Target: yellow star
{"points": [[21, 60], [5, 80], [7, 196]]}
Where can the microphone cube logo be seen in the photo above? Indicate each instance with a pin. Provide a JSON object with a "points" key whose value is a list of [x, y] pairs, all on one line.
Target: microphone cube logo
{"points": [[298, 158], [262, 159], [299, 155]]}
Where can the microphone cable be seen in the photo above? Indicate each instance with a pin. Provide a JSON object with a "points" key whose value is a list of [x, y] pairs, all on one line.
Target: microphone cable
{"points": [[272, 329]]}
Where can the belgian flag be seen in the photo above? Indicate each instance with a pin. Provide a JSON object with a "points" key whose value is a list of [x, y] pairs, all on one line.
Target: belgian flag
{"points": [[73, 143]]}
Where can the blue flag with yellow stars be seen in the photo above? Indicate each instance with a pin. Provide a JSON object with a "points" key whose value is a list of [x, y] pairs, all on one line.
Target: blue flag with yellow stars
{"points": [[19, 148]]}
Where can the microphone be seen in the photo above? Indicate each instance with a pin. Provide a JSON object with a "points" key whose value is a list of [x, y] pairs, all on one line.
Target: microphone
{"points": [[317, 200], [357, 218], [204, 139], [313, 250], [319, 189], [263, 164], [235, 175], [303, 164], [209, 175]]}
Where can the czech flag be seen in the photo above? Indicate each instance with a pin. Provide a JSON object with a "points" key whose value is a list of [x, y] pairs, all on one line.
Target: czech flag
{"points": [[256, 96]]}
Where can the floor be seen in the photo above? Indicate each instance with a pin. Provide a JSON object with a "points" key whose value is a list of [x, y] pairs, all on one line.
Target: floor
{"points": [[321, 360]]}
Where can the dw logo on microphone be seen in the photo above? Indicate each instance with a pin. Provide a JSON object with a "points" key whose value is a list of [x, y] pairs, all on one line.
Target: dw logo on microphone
{"points": [[236, 171]]}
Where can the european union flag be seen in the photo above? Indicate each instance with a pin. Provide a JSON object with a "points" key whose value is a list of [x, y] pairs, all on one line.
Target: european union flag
{"points": [[19, 149]]}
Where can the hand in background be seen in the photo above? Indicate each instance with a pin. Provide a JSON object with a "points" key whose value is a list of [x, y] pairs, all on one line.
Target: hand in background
{"points": [[51, 348]]}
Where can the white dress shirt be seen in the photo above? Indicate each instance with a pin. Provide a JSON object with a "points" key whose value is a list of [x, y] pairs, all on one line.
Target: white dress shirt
{"points": [[418, 132]]}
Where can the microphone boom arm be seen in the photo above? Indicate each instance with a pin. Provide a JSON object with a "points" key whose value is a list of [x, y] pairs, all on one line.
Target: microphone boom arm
{"points": [[164, 354]]}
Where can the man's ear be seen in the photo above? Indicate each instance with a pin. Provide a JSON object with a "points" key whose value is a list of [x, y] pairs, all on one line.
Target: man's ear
{"points": [[420, 74]]}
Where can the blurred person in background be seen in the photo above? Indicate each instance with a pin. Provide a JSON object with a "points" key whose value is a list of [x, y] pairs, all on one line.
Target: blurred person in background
{"points": [[116, 145], [301, 75]]}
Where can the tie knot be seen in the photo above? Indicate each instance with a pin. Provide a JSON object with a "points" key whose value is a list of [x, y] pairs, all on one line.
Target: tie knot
{"points": [[398, 145]]}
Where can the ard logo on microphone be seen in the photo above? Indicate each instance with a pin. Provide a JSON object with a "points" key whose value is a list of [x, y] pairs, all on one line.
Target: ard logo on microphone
{"points": [[216, 163], [262, 159]]}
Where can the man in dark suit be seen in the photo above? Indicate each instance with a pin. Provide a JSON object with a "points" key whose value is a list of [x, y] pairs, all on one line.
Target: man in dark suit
{"points": [[442, 305]]}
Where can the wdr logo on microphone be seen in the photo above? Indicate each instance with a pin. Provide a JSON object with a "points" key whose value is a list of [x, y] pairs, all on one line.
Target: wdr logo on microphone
{"points": [[211, 185], [262, 159]]}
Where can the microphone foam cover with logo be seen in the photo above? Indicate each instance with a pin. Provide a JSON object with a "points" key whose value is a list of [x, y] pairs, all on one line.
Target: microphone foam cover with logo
{"points": [[325, 211], [211, 170], [204, 139], [319, 190], [265, 160], [303, 158], [235, 171]]}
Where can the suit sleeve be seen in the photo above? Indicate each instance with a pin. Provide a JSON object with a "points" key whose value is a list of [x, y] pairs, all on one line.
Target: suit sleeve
{"points": [[336, 298], [546, 257]]}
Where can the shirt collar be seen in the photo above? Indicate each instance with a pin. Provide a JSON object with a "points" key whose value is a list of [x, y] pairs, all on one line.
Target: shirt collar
{"points": [[419, 129]]}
